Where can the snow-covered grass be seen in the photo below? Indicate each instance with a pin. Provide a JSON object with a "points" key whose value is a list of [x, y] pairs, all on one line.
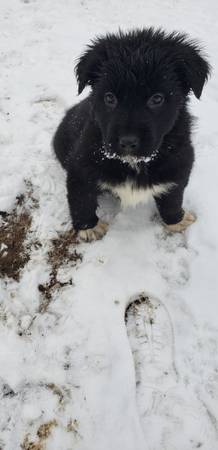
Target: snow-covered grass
{"points": [[71, 377]]}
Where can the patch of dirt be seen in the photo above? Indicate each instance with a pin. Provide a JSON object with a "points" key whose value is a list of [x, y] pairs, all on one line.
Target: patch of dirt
{"points": [[43, 432], [15, 251], [14, 254], [56, 391], [47, 290], [30, 445], [73, 427], [61, 253], [138, 301]]}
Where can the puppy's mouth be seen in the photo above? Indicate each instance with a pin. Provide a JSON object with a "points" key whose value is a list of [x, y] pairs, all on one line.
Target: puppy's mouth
{"points": [[132, 160]]}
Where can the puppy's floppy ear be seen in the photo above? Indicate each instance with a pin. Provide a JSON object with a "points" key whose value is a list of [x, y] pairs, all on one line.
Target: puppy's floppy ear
{"points": [[90, 64], [192, 68]]}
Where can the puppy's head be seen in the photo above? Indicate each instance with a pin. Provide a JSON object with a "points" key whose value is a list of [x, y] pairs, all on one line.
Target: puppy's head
{"points": [[140, 81]]}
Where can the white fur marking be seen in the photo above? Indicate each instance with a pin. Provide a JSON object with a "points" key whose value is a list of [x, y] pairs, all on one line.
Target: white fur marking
{"points": [[130, 195]]}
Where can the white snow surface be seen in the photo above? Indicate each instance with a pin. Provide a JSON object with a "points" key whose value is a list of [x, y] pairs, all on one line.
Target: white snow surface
{"points": [[116, 396]]}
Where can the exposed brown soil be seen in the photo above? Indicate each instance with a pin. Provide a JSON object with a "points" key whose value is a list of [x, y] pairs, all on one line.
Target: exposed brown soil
{"points": [[56, 391], [44, 430], [30, 445], [43, 433], [14, 254], [73, 427], [61, 253], [15, 250]]}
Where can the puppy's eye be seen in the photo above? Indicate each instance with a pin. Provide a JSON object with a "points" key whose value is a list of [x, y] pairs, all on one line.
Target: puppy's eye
{"points": [[156, 100], [110, 100]]}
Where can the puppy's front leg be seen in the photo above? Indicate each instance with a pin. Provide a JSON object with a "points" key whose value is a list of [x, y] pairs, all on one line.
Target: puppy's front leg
{"points": [[82, 198], [170, 209]]}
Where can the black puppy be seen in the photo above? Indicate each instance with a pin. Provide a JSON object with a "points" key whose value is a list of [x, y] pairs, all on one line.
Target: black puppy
{"points": [[132, 133]]}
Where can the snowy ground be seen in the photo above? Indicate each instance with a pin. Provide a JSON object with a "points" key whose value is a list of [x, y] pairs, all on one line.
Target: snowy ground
{"points": [[73, 373]]}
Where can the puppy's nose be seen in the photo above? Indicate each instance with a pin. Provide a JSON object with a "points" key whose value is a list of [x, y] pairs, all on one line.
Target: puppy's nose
{"points": [[129, 143]]}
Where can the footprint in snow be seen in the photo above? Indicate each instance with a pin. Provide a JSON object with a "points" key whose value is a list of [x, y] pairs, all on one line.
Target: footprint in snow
{"points": [[171, 415], [48, 100], [45, 109]]}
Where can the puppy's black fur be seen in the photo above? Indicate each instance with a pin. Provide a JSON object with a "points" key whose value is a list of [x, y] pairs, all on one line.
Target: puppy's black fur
{"points": [[134, 125]]}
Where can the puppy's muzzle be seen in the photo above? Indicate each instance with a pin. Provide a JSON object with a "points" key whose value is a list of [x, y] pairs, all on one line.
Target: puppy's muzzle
{"points": [[128, 144]]}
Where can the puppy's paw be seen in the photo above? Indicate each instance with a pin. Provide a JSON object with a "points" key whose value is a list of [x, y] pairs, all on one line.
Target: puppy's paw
{"points": [[93, 234], [186, 221]]}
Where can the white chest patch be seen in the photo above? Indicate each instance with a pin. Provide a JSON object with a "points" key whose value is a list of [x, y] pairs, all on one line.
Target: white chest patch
{"points": [[131, 195]]}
